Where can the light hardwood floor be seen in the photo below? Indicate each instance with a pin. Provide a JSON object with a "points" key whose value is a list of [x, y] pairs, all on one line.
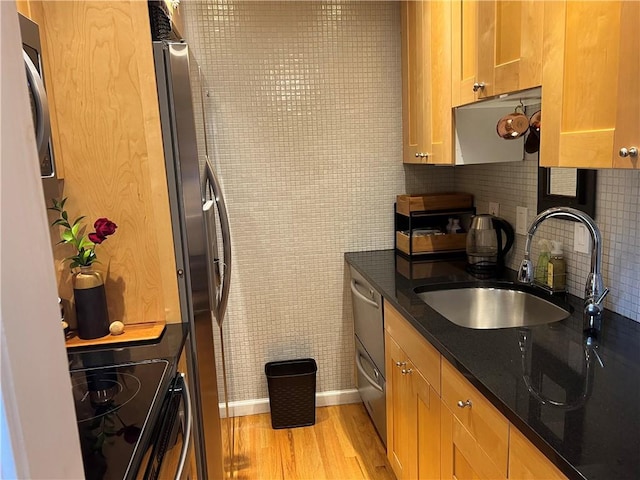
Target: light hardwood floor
{"points": [[342, 445]]}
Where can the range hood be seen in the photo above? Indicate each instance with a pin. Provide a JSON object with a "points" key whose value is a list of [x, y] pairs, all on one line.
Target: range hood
{"points": [[476, 139]]}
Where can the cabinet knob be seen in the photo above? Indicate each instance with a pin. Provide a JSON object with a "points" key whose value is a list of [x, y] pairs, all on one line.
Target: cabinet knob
{"points": [[478, 86], [422, 155], [406, 371], [400, 364], [462, 404], [628, 152]]}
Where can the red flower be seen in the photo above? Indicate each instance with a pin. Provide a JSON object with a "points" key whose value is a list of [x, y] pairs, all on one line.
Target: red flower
{"points": [[104, 227], [96, 238]]}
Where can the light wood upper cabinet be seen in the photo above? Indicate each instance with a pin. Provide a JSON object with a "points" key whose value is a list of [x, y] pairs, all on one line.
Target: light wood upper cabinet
{"points": [[497, 48], [466, 84], [591, 84], [426, 82]]}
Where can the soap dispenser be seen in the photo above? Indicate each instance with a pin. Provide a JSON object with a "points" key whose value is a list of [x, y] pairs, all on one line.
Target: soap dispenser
{"points": [[556, 268], [541, 275]]}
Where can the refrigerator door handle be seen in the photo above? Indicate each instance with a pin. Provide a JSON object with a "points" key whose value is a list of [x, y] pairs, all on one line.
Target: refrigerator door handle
{"points": [[212, 179]]}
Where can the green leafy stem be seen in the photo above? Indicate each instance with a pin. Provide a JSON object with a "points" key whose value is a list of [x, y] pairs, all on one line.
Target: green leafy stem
{"points": [[74, 234]]}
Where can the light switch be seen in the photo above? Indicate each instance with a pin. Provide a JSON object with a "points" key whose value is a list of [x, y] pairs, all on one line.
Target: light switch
{"points": [[581, 239], [522, 225]]}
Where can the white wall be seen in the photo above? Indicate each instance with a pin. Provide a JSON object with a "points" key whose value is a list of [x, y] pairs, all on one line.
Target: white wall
{"points": [[37, 405]]}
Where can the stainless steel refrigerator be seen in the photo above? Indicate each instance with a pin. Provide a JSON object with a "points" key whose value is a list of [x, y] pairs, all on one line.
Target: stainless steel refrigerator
{"points": [[203, 249]]}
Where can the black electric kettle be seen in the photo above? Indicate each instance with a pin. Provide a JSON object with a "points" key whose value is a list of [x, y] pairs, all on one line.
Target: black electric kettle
{"points": [[485, 247]]}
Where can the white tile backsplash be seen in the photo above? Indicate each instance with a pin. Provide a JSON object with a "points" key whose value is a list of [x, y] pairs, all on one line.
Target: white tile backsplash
{"points": [[304, 113]]}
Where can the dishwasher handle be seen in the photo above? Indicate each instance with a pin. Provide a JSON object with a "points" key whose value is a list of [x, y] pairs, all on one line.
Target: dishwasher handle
{"points": [[368, 377], [357, 293]]}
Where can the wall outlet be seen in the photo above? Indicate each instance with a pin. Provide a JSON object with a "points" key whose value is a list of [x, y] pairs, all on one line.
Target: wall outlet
{"points": [[522, 225], [494, 208], [581, 239]]}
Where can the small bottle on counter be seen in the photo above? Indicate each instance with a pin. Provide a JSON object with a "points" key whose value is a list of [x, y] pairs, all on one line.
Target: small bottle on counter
{"points": [[542, 275], [556, 268], [449, 225]]}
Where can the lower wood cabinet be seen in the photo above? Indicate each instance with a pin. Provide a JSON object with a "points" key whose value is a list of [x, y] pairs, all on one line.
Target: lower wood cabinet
{"points": [[413, 423], [526, 462], [441, 426], [475, 436]]}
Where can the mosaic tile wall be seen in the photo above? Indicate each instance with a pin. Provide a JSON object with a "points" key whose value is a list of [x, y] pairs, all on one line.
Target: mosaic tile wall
{"points": [[304, 110]]}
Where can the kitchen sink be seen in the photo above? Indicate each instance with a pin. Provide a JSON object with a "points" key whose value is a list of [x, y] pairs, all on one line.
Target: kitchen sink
{"points": [[492, 307]]}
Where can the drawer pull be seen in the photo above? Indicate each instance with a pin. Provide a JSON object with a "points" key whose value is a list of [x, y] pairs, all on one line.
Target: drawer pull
{"points": [[400, 364], [406, 371], [462, 404]]}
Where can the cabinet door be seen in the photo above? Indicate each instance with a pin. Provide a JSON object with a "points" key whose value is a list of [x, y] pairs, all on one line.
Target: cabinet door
{"points": [[400, 415], [510, 45], [413, 418], [414, 81], [526, 462], [462, 457], [591, 84], [426, 87], [465, 48], [427, 422], [478, 431]]}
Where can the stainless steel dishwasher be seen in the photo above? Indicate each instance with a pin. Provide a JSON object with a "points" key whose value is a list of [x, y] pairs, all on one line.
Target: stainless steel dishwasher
{"points": [[369, 340]]}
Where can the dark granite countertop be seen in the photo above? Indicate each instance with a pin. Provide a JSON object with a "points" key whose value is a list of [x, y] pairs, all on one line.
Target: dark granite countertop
{"points": [[595, 432], [167, 347]]}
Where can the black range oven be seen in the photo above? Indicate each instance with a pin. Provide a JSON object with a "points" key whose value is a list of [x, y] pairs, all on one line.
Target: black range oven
{"points": [[134, 421]]}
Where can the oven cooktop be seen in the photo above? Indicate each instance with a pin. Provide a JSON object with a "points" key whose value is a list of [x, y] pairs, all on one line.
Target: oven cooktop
{"points": [[112, 408]]}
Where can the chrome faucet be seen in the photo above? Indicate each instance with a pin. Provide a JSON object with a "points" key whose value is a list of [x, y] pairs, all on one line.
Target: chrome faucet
{"points": [[594, 290]]}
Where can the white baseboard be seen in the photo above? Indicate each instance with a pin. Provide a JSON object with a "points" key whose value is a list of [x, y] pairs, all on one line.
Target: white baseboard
{"points": [[261, 405]]}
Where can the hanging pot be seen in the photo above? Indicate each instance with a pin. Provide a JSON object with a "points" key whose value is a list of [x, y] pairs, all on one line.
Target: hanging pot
{"points": [[532, 144], [513, 125], [90, 304]]}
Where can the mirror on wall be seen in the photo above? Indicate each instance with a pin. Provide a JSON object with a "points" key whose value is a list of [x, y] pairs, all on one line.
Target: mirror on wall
{"points": [[567, 187]]}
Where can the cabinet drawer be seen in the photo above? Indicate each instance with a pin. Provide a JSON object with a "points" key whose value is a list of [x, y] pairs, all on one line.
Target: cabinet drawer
{"points": [[423, 355], [481, 419]]}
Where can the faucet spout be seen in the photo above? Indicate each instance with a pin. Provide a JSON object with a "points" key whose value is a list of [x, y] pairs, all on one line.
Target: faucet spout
{"points": [[594, 291]]}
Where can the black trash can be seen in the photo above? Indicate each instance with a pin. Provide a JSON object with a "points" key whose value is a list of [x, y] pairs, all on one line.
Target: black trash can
{"points": [[292, 392]]}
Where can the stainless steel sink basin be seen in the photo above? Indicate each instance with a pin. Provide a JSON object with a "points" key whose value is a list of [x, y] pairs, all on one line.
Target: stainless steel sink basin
{"points": [[485, 308]]}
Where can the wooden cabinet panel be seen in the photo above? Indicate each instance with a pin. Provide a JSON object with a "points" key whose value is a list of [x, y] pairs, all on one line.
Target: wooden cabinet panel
{"points": [[591, 86], [413, 417], [427, 422], [425, 357], [488, 428], [102, 73], [527, 463], [465, 47], [400, 421], [498, 44], [510, 52], [462, 457], [426, 82], [414, 81]]}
